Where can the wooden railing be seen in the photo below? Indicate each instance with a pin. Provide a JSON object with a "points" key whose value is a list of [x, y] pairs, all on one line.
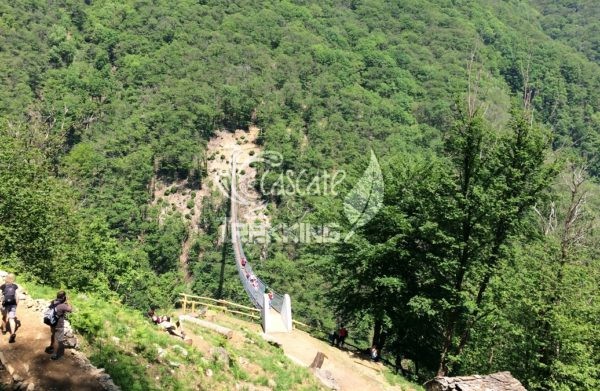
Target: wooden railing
{"points": [[190, 302]]}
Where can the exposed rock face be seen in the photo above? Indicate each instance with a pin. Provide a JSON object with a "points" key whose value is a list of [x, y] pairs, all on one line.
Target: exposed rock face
{"points": [[501, 381], [326, 378]]}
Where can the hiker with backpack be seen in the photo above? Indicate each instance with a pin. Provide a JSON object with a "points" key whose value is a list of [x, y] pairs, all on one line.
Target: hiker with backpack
{"points": [[55, 318], [9, 305]]}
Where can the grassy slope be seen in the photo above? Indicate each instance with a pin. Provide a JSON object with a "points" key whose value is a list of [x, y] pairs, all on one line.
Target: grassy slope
{"points": [[127, 346], [120, 340]]}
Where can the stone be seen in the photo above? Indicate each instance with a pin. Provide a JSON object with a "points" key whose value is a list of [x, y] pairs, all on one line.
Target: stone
{"points": [[220, 355], [326, 378], [209, 372], [17, 378], [70, 338], [181, 350], [500, 381], [31, 387], [271, 383]]}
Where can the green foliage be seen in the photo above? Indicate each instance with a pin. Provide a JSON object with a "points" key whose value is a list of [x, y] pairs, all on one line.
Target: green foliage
{"points": [[125, 344], [100, 99], [428, 258]]}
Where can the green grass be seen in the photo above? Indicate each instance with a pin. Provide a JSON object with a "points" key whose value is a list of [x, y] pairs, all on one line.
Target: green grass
{"points": [[402, 382], [127, 346], [271, 362]]}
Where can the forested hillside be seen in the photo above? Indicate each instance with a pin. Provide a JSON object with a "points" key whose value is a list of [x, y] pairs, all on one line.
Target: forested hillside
{"points": [[484, 117]]}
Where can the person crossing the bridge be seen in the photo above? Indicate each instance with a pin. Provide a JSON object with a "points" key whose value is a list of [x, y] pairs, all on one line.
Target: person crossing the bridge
{"points": [[270, 296]]}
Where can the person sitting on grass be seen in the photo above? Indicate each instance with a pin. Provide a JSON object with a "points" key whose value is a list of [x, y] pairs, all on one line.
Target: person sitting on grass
{"points": [[153, 317], [374, 354], [173, 329]]}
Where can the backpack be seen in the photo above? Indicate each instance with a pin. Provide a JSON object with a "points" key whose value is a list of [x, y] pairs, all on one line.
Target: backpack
{"points": [[10, 292], [50, 315]]}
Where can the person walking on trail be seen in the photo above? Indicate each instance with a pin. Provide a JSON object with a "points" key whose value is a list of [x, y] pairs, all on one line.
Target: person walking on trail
{"points": [[342, 334], [333, 338], [61, 308], [9, 306]]}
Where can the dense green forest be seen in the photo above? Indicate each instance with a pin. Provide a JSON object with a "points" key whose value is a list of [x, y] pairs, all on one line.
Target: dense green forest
{"points": [[484, 117]]}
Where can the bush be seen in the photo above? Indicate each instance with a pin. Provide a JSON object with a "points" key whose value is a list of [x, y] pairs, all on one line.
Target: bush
{"points": [[87, 322], [190, 204], [251, 153]]}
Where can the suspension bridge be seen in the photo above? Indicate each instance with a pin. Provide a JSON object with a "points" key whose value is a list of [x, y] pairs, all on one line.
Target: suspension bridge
{"points": [[275, 309]]}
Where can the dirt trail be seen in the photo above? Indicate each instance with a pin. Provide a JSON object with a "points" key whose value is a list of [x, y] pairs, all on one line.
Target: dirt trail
{"points": [[26, 360], [350, 371]]}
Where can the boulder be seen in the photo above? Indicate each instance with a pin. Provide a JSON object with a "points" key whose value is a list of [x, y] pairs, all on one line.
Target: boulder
{"points": [[500, 381], [326, 378], [70, 338]]}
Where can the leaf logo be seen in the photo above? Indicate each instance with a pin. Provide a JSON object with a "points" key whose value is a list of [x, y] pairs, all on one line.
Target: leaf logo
{"points": [[366, 197]]}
